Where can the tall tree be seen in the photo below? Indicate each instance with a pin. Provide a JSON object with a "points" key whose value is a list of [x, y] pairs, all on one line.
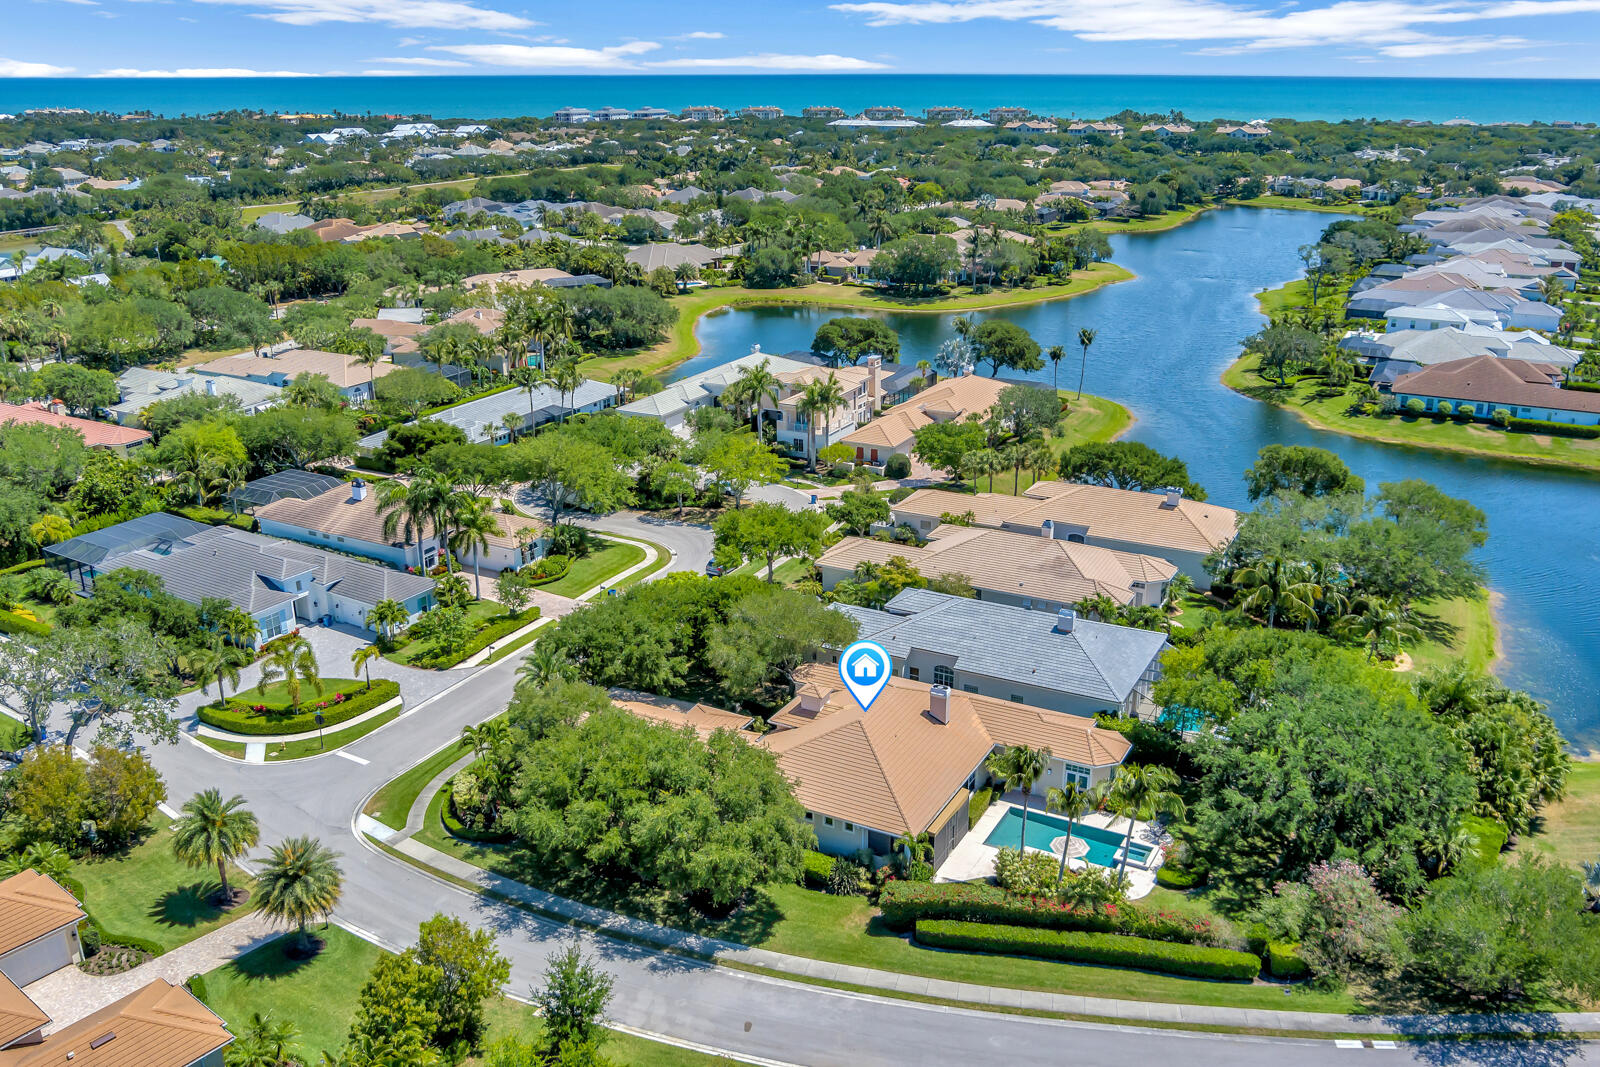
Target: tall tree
{"points": [[214, 830]]}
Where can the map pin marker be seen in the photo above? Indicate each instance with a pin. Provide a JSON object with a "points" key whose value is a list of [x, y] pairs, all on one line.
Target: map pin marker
{"points": [[865, 668]]}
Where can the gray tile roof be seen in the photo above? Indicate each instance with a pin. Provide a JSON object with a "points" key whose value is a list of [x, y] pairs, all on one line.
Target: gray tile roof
{"points": [[1096, 660], [474, 414]]}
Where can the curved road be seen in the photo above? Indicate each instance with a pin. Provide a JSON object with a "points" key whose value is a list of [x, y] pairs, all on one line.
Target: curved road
{"points": [[754, 1017]]}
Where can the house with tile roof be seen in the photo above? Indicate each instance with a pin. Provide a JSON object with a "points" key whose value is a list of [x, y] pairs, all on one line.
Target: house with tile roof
{"points": [[484, 419], [95, 434], [38, 927], [1038, 573], [894, 432], [346, 517], [354, 381], [1484, 384], [1066, 662], [1167, 525], [908, 764], [673, 404], [140, 387], [159, 1025]]}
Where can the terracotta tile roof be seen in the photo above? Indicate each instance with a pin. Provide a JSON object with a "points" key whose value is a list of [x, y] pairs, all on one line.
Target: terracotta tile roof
{"points": [[95, 434], [531, 276], [32, 905], [19, 1016], [1489, 379], [705, 719], [161, 1025], [341, 369], [894, 767], [1136, 518], [484, 320], [335, 229], [335, 513], [1017, 564], [950, 399]]}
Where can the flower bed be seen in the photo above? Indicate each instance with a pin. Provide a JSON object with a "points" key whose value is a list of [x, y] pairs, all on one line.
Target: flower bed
{"points": [[907, 904], [1074, 946], [342, 701]]}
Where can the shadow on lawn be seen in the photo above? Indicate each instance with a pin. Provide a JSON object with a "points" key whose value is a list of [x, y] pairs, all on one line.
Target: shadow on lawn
{"points": [[188, 906], [277, 958]]}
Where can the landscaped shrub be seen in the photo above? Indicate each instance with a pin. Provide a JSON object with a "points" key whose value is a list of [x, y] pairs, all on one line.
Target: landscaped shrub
{"points": [[491, 632], [215, 517], [818, 866], [904, 904], [243, 716], [1172, 877], [1491, 834], [197, 988], [1502, 417], [847, 879], [1113, 950], [1284, 961], [28, 565], [1558, 429], [551, 568], [897, 466], [977, 804], [1415, 406], [12, 623], [1445, 408], [1025, 873]]}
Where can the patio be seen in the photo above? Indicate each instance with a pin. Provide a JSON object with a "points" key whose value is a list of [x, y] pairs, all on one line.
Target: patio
{"points": [[973, 859]]}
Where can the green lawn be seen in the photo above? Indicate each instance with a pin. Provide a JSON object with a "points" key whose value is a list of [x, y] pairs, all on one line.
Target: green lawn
{"points": [[13, 734], [595, 568], [391, 804], [520, 643], [1148, 224], [320, 995], [147, 893], [277, 694], [479, 614], [791, 571], [1294, 203], [1446, 435], [663, 557], [682, 344], [310, 746], [1461, 629], [1569, 831]]}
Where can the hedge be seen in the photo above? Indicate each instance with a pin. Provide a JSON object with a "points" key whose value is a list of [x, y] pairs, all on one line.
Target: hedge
{"points": [[92, 935], [1074, 946], [977, 804], [240, 718], [1285, 961], [1171, 877], [490, 633], [26, 565], [818, 865], [12, 623], [1558, 429], [215, 517], [551, 575], [197, 988], [456, 828], [905, 904], [1582, 387]]}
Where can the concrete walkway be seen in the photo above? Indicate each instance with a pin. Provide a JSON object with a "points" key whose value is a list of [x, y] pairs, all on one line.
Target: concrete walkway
{"points": [[70, 994]]}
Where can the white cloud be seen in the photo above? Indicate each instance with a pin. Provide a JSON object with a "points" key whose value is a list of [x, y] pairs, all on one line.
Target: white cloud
{"points": [[775, 61], [85, 3], [442, 14], [544, 57], [700, 35], [419, 61], [19, 68], [1399, 26], [202, 72]]}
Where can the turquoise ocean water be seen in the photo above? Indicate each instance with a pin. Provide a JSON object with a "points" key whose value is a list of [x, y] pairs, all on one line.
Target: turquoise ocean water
{"points": [[498, 96]]}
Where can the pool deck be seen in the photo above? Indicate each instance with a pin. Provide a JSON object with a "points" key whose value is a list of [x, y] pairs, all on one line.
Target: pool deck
{"points": [[973, 860]]}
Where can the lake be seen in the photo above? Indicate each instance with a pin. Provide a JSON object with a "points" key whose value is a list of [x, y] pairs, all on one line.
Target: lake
{"points": [[1164, 339]]}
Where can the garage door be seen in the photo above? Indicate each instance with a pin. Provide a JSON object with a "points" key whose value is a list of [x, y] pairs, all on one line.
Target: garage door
{"points": [[33, 961]]}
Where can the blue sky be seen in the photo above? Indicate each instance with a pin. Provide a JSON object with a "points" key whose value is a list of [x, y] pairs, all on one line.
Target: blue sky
{"points": [[202, 38]]}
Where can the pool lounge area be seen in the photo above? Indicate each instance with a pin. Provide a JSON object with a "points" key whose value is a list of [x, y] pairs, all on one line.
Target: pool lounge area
{"points": [[1105, 836]]}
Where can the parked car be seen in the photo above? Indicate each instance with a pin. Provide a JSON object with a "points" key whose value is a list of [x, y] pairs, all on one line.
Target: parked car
{"points": [[715, 569]]}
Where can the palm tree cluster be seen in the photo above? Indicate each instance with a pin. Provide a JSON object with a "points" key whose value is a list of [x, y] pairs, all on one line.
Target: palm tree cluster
{"points": [[1277, 590], [432, 505]]}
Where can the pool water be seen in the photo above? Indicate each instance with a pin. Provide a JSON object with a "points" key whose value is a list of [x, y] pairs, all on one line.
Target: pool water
{"points": [[1104, 845]]}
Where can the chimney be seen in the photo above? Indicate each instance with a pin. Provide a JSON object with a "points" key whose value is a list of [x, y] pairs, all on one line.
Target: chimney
{"points": [[1066, 620], [1174, 497], [810, 699], [939, 703], [874, 366], [1047, 529], [358, 491], [211, 387]]}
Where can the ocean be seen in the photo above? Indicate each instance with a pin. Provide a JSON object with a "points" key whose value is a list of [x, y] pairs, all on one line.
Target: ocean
{"points": [[1087, 95]]}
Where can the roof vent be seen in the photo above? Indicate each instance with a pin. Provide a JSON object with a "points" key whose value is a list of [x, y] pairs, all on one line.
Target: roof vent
{"points": [[1174, 498], [810, 699], [1066, 620], [358, 490], [939, 703], [102, 1040]]}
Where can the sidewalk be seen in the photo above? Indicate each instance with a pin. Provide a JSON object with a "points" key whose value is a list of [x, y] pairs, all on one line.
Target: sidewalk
{"points": [[69, 994]]}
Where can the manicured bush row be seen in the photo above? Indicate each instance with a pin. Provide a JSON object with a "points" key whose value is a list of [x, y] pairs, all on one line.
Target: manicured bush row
{"points": [[12, 623], [818, 865], [240, 718], [904, 904], [215, 517], [554, 572], [91, 931], [1075, 946], [1558, 429], [485, 637], [978, 804], [456, 828], [27, 565], [1582, 387], [1284, 961]]}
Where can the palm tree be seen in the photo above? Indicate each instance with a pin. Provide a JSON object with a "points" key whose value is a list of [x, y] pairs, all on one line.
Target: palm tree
{"points": [[566, 377], [417, 510], [295, 665], [1073, 801], [821, 398], [755, 382], [485, 737], [239, 628], [361, 660], [1039, 458], [472, 523], [1379, 623], [1142, 792], [529, 380], [441, 350], [451, 591], [300, 881], [1086, 338], [546, 666], [386, 616], [1591, 883], [912, 850], [1057, 353], [213, 830], [549, 318], [369, 357], [977, 463], [1450, 847], [1018, 767], [1278, 587], [221, 665], [52, 861], [1015, 456], [263, 1043]]}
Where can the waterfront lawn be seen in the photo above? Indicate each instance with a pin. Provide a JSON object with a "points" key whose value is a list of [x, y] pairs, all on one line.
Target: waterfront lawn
{"points": [[1460, 629], [1295, 203], [1475, 438], [608, 559], [1569, 831], [682, 344], [146, 893]]}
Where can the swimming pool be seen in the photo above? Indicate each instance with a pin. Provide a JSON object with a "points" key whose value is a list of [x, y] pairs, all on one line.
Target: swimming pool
{"points": [[1104, 845]]}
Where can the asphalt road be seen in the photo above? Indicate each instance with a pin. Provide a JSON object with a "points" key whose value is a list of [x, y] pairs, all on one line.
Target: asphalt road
{"points": [[754, 1017]]}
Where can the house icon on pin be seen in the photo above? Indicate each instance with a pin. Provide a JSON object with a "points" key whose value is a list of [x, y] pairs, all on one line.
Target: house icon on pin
{"points": [[865, 667]]}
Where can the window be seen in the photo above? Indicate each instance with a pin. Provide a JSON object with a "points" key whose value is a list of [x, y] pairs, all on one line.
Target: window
{"points": [[970, 688], [849, 826], [827, 820], [809, 817], [914, 673], [943, 675], [1016, 699], [1073, 772]]}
